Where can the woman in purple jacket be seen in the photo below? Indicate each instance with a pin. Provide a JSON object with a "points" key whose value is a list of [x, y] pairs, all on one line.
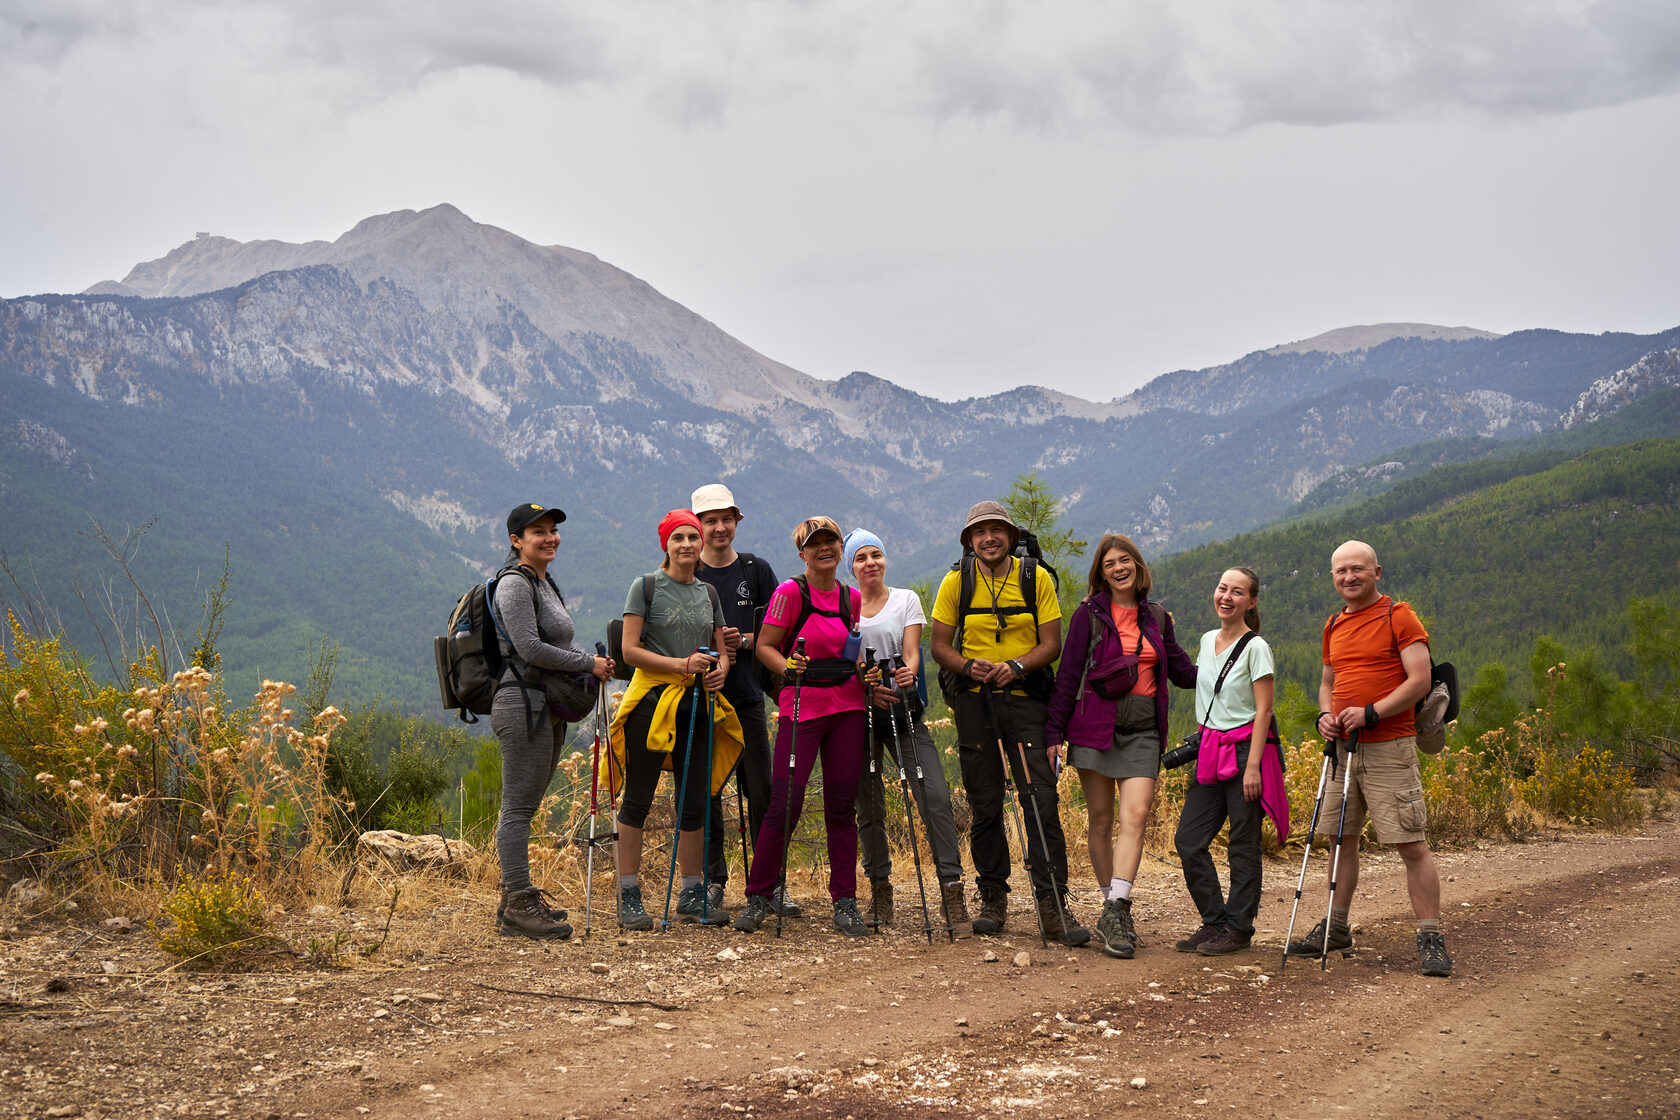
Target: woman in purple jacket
{"points": [[1110, 708]]}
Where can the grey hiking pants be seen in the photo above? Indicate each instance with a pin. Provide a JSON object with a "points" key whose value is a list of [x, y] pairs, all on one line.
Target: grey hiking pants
{"points": [[528, 765], [931, 793]]}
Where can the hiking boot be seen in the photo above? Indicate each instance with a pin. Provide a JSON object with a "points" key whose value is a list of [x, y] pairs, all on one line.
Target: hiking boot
{"points": [[880, 902], [524, 915], [847, 919], [1432, 954], [1194, 941], [1111, 933], [784, 905], [1312, 945], [1051, 915], [994, 910], [956, 912], [753, 914], [1127, 929], [1227, 940], [555, 914], [714, 896], [630, 912], [689, 907]]}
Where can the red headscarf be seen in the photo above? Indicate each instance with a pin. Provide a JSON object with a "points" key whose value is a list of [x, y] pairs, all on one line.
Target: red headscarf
{"points": [[669, 523]]}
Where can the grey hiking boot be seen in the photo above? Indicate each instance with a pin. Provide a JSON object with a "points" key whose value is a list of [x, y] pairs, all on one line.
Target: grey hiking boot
{"points": [[994, 910], [1432, 954], [1194, 941], [524, 915], [1225, 941], [784, 905], [956, 911], [847, 919], [689, 907], [753, 914], [880, 903], [630, 912], [1312, 945], [1059, 922], [1112, 934], [714, 896], [1126, 926]]}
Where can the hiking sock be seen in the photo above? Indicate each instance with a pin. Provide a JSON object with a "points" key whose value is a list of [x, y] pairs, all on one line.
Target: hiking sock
{"points": [[1429, 925], [1339, 918], [690, 881], [627, 881], [1118, 888]]}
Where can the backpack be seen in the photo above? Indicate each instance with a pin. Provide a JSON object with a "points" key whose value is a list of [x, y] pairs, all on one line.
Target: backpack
{"points": [[824, 672], [1439, 705], [1039, 682], [615, 629], [469, 656]]}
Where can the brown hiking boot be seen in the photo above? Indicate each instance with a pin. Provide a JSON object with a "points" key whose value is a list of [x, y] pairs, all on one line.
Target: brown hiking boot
{"points": [[1225, 941], [956, 911], [880, 903], [1194, 941], [1050, 916], [994, 910], [524, 915]]}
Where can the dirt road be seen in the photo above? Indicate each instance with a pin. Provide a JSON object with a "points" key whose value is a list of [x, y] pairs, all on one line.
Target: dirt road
{"points": [[1562, 1003]]}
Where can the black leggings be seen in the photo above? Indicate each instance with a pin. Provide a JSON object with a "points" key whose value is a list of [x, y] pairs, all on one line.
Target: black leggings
{"points": [[642, 766]]}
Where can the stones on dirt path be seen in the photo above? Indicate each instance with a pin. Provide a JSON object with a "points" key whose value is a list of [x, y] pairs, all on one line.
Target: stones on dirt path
{"points": [[119, 924], [429, 997], [989, 957], [1022, 959], [963, 1022], [600, 968], [727, 955], [621, 1021], [1140, 1083]]}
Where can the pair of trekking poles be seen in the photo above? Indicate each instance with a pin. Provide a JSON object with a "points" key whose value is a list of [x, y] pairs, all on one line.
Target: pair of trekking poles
{"points": [[886, 667], [701, 696], [1326, 771], [1038, 816]]}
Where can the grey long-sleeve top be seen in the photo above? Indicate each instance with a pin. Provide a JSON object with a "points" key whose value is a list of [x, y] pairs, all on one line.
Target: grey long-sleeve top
{"points": [[540, 630]]}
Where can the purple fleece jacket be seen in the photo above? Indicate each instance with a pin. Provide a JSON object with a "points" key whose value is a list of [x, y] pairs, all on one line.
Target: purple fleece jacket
{"points": [[1087, 720]]}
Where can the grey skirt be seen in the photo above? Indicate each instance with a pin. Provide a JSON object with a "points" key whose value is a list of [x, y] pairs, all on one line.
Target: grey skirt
{"points": [[1136, 749]]}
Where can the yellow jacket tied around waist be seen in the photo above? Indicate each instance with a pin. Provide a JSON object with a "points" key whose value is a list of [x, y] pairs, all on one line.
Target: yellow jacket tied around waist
{"points": [[662, 735]]}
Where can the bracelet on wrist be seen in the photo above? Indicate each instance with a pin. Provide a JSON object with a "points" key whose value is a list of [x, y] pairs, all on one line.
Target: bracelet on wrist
{"points": [[1019, 670], [1371, 715], [967, 665]]}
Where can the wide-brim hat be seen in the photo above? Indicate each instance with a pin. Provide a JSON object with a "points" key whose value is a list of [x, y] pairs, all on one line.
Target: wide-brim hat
{"points": [[989, 511], [713, 496], [529, 512]]}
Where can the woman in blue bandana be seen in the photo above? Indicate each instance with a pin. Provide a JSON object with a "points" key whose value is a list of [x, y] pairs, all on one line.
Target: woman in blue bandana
{"points": [[891, 623]]}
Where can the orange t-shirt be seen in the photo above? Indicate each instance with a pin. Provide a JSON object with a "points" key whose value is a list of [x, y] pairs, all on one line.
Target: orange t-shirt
{"points": [[1126, 621], [1362, 649]]}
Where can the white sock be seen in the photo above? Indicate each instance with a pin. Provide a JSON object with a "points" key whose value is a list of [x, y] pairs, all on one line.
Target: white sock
{"points": [[1118, 888]]}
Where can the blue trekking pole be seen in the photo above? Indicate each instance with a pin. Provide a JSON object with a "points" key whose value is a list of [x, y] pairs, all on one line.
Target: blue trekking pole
{"points": [[787, 803], [682, 786]]}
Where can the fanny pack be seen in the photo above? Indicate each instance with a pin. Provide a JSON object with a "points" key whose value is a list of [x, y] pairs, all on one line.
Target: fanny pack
{"points": [[826, 672]]}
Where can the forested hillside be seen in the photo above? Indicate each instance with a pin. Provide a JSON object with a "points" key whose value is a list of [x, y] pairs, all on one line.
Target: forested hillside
{"points": [[1491, 561]]}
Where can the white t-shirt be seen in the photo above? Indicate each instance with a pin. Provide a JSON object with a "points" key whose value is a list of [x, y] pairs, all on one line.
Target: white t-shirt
{"points": [[1234, 706], [884, 633]]}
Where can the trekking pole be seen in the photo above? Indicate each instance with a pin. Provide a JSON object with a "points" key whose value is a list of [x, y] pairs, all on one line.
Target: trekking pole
{"points": [[1015, 808], [1038, 823], [741, 823], [1336, 852], [927, 827], [872, 781], [706, 821], [1300, 881], [699, 686], [594, 804], [909, 802], [787, 802]]}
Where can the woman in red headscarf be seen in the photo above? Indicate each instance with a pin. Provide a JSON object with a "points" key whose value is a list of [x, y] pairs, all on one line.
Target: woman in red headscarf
{"points": [[671, 620]]}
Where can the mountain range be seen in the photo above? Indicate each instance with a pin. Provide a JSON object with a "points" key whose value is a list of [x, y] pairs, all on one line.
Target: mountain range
{"points": [[350, 420]]}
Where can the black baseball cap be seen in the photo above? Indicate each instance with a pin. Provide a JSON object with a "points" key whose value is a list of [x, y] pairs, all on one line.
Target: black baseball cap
{"points": [[529, 512]]}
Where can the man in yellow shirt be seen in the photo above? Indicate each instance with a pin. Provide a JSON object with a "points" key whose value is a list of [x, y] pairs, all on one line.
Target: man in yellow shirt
{"points": [[996, 651]]}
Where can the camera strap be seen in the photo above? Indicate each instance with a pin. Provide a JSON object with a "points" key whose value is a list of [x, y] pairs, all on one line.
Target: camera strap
{"points": [[1230, 663]]}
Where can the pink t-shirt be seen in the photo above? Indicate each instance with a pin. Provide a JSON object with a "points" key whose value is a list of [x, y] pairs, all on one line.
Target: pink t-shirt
{"points": [[824, 636]]}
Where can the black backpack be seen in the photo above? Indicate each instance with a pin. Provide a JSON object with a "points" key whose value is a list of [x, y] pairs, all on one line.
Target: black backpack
{"points": [[615, 629], [1038, 683], [469, 656]]}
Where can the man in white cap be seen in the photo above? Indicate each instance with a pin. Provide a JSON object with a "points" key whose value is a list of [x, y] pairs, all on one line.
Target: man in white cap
{"points": [[744, 585]]}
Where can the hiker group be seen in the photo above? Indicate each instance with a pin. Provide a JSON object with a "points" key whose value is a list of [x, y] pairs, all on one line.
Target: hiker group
{"points": [[704, 637]]}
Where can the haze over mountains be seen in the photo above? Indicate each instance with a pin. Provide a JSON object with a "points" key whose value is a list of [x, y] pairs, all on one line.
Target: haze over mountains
{"points": [[355, 417]]}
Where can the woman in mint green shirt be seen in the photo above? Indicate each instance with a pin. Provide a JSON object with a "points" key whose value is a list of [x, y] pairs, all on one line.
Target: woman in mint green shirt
{"points": [[1234, 679]]}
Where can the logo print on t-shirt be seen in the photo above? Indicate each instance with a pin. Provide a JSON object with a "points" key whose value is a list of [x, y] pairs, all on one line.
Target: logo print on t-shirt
{"points": [[743, 593]]}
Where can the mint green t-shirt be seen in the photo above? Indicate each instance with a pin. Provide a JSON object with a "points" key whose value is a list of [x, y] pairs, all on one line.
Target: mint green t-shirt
{"points": [[1234, 706]]}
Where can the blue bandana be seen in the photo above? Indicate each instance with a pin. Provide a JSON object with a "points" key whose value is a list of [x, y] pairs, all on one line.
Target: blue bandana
{"points": [[855, 540]]}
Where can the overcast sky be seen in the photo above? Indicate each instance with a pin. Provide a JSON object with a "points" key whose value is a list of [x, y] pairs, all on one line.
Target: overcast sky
{"points": [[958, 195]]}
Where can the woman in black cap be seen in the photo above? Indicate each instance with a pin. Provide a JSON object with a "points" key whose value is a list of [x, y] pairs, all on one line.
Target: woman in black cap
{"points": [[536, 634]]}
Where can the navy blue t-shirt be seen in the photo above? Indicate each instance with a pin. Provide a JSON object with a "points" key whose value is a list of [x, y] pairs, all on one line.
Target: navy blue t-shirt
{"points": [[743, 588]]}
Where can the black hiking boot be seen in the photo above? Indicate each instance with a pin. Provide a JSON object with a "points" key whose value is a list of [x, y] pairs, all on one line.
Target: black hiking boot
{"points": [[1194, 941], [689, 908], [1312, 945], [752, 915], [1225, 941], [1112, 934], [994, 911], [631, 915], [524, 915], [1059, 922], [1432, 954], [847, 919]]}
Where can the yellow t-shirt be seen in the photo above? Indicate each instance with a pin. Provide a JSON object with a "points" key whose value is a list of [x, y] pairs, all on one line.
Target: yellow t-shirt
{"points": [[998, 626]]}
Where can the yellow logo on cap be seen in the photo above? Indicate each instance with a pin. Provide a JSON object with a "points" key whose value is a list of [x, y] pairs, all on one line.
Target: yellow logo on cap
{"points": [[535, 506]]}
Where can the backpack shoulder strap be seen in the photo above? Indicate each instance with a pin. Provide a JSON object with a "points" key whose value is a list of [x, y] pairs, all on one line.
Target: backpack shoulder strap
{"points": [[647, 592], [1029, 589]]}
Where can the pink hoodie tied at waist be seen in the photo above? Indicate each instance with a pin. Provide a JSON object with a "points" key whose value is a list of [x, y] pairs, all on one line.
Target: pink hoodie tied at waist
{"points": [[1216, 762]]}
